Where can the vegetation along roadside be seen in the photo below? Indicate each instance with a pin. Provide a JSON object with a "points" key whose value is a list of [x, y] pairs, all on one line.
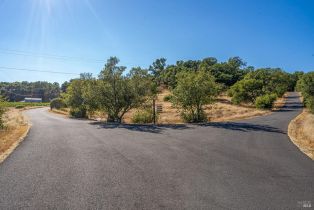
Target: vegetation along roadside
{"points": [[301, 129], [197, 91]]}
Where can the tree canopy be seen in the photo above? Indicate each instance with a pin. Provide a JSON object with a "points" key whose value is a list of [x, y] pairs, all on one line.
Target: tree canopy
{"points": [[306, 86], [192, 92], [17, 91], [260, 82], [194, 83], [113, 92]]}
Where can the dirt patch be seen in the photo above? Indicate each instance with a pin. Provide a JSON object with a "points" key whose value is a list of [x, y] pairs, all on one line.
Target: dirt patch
{"points": [[280, 102], [16, 128], [64, 112], [301, 131]]}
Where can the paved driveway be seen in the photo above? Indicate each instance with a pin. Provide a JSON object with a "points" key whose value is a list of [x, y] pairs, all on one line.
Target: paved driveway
{"points": [[77, 164]]}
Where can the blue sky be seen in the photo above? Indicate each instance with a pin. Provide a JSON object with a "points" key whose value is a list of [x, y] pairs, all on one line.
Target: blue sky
{"points": [[264, 33]]}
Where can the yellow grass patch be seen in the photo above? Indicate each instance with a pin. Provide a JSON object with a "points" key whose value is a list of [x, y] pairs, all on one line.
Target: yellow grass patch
{"points": [[280, 102], [60, 111], [16, 128], [301, 132], [221, 110]]}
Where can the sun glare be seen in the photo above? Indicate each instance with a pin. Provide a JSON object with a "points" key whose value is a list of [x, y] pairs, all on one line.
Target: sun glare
{"points": [[47, 5]]}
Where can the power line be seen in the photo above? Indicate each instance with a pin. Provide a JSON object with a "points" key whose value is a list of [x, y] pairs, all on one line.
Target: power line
{"points": [[49, 56], [2, 68]]}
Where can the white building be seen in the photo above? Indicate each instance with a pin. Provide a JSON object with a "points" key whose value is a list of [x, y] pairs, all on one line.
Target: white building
{"points": [[33, 100]]}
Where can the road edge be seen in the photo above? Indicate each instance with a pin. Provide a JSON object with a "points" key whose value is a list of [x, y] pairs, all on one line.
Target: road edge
{"points": [[9, 151], [293, 138]]}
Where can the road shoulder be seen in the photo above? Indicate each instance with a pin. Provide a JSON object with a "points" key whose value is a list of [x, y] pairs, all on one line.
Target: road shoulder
{"points": [[17, 128], [301, 131]]}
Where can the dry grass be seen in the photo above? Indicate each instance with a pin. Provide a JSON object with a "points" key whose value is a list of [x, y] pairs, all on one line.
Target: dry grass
{"points": [[64, 112], [16, 127], [221, 110], [280, 102], [301, 132]]}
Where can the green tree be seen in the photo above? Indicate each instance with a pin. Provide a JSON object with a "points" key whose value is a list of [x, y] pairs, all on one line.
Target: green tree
{"points": [[246, 90], [157, 69], [117, 93], [274, 80], [17, 91], [258, 83], [294, 78], [74, 96], [226, 73], [64, 86], [57, 103], [193, 91], [305, 85]]}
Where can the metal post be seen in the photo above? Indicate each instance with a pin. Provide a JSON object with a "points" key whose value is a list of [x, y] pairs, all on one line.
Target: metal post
{"points": [[154, 111]]}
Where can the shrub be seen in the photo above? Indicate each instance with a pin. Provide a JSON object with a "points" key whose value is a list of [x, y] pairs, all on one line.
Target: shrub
{"points": [[168, 98], [190, 117], [2, 110], [193, 91], [78, 113], [20, 107], [258, 83], [305, 85], [310, 104], [265, 101], [142, 116], [64, 109], [246, 90], [57, 103]]}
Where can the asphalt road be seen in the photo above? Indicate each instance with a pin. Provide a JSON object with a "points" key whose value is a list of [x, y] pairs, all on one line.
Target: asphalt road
{"points": [[77, 164]]}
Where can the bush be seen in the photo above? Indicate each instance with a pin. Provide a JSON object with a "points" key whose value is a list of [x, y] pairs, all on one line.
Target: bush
{"points": [[64, 109], [168, 98], [258, 83], [246, 90], [2, 110], [265, 101], [20, 107], [310, 104], [78, 113], [190, 117], [305, 85], [142, 116], [57, 103], [193, 91]]}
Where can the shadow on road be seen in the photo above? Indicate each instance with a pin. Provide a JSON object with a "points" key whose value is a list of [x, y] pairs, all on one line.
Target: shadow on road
{"points": [[141, 128], [235, 126], [244, 127], [292, 97], [288, 107]]}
